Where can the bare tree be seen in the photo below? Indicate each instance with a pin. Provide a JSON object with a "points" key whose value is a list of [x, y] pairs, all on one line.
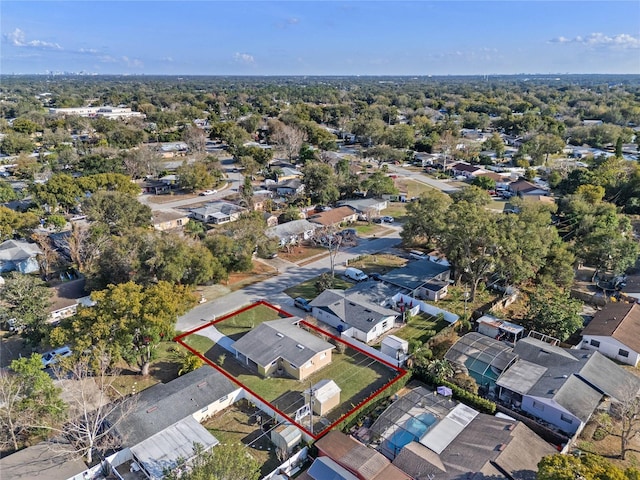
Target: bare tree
{"points": [[49, 258], [96, 407], [288, 137], [84, 249], [195, 139], [142, 161], [12, 417], [624, 418]]}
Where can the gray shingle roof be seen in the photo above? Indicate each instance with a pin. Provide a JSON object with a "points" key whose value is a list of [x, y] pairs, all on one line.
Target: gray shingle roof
{"points": [[17, 250], [280, 339], [351, 309], [415, 273], [295, 227], [162, 405]]}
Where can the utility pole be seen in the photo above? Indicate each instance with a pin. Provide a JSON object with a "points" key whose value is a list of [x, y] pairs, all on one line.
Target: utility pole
{"points": [[311, 392]]}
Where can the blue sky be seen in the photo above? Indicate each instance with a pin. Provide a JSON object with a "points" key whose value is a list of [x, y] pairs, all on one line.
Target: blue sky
{"points": [[320, 38]]}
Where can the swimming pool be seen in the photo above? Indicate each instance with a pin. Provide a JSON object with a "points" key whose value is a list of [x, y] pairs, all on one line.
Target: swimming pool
{"points": [[412, 430]]}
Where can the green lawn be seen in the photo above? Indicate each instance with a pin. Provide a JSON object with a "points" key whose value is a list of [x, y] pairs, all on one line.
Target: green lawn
{"points": [[378, 263], [357, 375], [308, 289], [421, 327], [247, 320], [198, 342]]}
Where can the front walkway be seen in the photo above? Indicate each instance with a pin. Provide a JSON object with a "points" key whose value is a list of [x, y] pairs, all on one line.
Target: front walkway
{"points": [[214, 334]]}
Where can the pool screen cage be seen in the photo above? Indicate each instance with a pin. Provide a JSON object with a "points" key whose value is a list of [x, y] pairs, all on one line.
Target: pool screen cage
{"points": [[409, 417], [483, 357]]}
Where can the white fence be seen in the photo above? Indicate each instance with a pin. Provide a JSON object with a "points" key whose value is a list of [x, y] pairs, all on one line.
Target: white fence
{"points": [[291, 466], [425, 307], [370, 350]]}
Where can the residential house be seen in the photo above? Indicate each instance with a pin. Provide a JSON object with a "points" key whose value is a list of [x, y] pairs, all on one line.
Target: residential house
{"points": [[155, 187], [169, 219], [261, 201], [40, 462], [466, 170], [499, 329], [66, 298], [421, 278], [335, 217], [165, 423], [292, 233], [20, 256], [430, 436], [288, 188], [173, 149], [217, 212], [287, 173], [366, 207], [352, 315], [270, 219], [280, 346], [562, 387], [614, 331], [525, 188], [363, 462]]}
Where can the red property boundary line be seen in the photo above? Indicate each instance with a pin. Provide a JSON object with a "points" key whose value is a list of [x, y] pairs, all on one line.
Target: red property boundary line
{"points": [[400, 371]]}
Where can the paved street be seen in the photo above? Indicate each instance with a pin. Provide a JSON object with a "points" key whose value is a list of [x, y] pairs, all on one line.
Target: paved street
{"points": [[271, 289]]}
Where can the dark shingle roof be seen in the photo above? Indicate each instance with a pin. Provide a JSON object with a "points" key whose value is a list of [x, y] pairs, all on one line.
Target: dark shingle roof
{"points": [[162, 405], [280, 339], [351, 309], [415, 273]]}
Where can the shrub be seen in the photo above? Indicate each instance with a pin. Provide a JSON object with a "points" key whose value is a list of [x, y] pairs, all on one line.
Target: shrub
{"points": [[471, 399]]}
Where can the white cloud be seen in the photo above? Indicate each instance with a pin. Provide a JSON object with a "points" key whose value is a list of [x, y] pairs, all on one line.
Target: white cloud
{"points": [[243, 58], [132, 62], [622, 40], [167, 59], [17, 38]]}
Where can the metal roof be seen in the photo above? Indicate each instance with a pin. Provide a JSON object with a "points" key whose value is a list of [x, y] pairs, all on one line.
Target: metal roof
{"points": [[480, 353], [446, 430], [164, 449], [415, 273]]}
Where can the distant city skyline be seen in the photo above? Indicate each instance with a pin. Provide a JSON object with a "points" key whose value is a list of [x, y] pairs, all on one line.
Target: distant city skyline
{"points": [[320, 38]]}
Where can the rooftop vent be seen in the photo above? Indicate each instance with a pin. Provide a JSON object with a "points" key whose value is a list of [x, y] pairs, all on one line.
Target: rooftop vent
{"points": [[152, 409], [280, 335], [510, 427], [202, 384], [501, 447], [301, 347]]}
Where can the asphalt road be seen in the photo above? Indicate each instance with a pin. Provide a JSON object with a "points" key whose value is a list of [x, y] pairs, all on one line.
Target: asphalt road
{"points": [[272, 289]]}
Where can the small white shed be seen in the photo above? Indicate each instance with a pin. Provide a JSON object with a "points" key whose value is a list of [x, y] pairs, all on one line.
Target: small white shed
{"points": [[394, 347], [286, 437], [326, 395]]}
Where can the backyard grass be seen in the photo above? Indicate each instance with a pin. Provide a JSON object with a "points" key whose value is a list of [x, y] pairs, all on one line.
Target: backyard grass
{"points": [[454, 301], [365, 229], [249, 319], [238, 424], [198, 342], [397, 210], [308, 289], [378, 263], [421, 327], [358, 376]]}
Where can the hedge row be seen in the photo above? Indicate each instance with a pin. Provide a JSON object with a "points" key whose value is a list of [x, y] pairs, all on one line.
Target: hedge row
{"points": [[471, 399]]}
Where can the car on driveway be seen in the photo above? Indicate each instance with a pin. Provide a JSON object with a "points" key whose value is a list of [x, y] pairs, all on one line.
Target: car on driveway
{"points": [[302, 303], [208, 192], [387, 219], [52, 357]]}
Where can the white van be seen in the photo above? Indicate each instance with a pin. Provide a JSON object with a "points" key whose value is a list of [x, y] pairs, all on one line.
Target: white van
{"points": [[355, 274]]}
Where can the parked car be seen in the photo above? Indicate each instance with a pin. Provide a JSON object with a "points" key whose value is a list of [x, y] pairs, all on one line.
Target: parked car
{"points": [[349, 232], [208, 192], [375, 276], [377, 220], [302, 303], [52, 357], [387, 219]]}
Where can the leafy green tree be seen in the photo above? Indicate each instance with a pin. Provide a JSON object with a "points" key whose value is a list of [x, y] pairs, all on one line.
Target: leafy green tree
{"points": [[289, 214], [7, 193], [485, 183], [194, 176], [226, 461], [15, 143], [117, 182], [558, 265], [472, 194], [26, 298], [234, 256], [400, 136], [471, 242], [584, 466], [320, 183], [426, 218], [16, 224], [128, 321], [29, 401], [24, 125], [118, 211], [553, 312], [378, 184], [60, 192]]}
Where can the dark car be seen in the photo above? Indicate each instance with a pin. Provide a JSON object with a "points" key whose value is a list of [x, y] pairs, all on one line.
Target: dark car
{"points": [[302, 303], [375, 276]]}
